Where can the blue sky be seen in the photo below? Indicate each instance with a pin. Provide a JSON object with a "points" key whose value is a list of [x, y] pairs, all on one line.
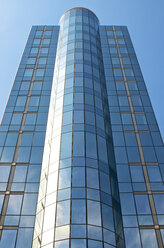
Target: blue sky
{"points": [[144, 19]]}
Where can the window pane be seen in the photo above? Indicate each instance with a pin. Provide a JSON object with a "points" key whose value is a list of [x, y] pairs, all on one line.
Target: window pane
{"points": [[142, 203], [132, 238], [78, 212], [24, 237], [92, 178], [127, 203], [94, 216], [65, 178], [148, 238], [8, 239], [63, 213], [78, 177], [14, 205]]}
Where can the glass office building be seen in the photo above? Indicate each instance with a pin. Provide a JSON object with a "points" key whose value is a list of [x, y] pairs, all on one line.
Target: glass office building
{"points": [[81, 156]]}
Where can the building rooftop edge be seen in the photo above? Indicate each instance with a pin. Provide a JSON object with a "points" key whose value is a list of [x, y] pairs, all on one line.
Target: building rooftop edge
{"points": [[78, 8]]}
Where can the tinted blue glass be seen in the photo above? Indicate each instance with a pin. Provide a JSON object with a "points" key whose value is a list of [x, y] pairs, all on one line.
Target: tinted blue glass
{"points": [[154, 174], [14, 205], [78, 242], [8, 239], [63, 213], [94, 244], [142, 203], [137, 173], [65, 178], [107, 216], [123, 173], [4, 173], [91, 148], [66, 145], [92, 178], [148, 238], [24, 237], [132, 237], [78, 144], [78, 212], [159, 203], [27, 207], [127, 203], [93, 210], [78, 177]]}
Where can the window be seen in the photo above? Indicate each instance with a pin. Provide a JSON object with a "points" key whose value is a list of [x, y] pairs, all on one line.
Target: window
{"points": [[129, 73], [111, 41], [14, 205], [91, 148], [31, 61], [63, 213], [30, 119], [42, 61], [94, 216], [28, 72], [127, 204], [78, 177], [65, 178], [148, 238], [39, 32], [123, 173], [136, 100], [142, 204], [140, 118], [126, 118], [123, 101], [8, 239], [123, 50], [36, 42], [37, 85], [113, 50], [28, 208], [34, 101], [126, 61], [120, 85], [119, 33], [132, 237], [110, 33], [132, 85], [159, 203], [21, 101], [92, 178], [7, 154], [4, 173], [20, 174], [46, 41], [47, 32], [11, 139], [137, 173], [107, 216], [25, 86], [121, 41], [34, 50], [24, 237], [66, 145], [118, 73], [78, 212], [78, 144], [154, 173], [39, 72], [116, 61], [44, 50]]}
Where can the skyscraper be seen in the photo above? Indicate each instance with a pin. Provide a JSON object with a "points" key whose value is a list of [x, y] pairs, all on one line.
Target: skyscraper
{"points": [[81, 156]]}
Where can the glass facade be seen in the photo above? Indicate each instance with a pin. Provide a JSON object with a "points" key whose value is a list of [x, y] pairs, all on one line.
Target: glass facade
{"points": [[81, 156]]}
